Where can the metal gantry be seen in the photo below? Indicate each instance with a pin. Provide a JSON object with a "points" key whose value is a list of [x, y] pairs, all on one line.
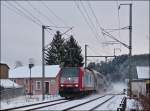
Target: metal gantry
{"points": [[86, 56]]}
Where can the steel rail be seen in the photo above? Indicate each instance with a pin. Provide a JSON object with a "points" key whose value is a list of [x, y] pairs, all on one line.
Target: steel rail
{"points": [[39, 107], [14, 108], [83, 103], [101, 104]]}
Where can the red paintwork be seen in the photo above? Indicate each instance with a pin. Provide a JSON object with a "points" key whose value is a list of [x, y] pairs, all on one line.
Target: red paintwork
{"points": [[80, 81]]}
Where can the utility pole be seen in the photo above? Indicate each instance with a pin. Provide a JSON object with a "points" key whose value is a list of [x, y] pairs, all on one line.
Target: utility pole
{"points": [[130, 48], [130, 45], [86, 55], [43, 68], [43, 62], [30, 66]]}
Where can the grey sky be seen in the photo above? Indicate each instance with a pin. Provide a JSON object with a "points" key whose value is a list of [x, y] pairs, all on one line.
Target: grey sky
{"points": [[21, 38]]}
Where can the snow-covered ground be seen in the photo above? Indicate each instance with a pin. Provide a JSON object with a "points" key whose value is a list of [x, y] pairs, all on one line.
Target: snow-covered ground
{"points": [[25, 100], [90, 105], [133, 104], [113, 104], [71, 103]]}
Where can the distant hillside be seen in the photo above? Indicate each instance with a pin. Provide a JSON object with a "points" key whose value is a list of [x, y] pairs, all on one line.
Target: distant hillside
{"points": [[136, 60], [117, 69]]}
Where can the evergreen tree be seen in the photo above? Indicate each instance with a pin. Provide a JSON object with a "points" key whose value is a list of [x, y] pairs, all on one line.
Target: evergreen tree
{"points": [[73, 55], [55, 53]]}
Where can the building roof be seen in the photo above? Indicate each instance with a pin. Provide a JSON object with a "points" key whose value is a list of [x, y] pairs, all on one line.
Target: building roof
{"points": [[6, 83], [4, 65], [143, 72], [36, 71]]}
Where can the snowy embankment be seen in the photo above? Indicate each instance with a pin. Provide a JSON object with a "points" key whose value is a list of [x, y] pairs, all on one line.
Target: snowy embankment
{"points": [[132, 104], [26, 100]]}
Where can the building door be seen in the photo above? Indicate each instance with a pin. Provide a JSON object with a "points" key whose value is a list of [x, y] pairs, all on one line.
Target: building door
{"points": [[46, 87]]}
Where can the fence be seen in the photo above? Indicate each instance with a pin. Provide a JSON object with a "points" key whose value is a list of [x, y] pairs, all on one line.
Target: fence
{"points": [[122, 105], [9, 93]]}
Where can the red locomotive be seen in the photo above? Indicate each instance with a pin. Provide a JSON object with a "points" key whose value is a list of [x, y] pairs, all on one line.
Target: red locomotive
{"points": [[77, 81]]}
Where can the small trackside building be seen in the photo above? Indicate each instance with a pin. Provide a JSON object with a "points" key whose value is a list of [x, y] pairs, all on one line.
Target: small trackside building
{"points": [[32, 82], [4, 71], [141, 85]]}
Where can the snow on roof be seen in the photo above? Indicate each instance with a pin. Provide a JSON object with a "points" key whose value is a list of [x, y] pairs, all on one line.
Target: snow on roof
{"points": [[6, 83], [36, 71], [143, 72]]}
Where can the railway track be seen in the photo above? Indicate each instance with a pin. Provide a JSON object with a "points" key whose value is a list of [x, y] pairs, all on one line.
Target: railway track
{"points": [[101, 103], [96, 102], [89, 102], [82, 103], [28, 107]]}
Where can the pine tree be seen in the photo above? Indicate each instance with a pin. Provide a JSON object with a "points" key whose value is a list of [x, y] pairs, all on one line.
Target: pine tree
{"points": [[73, 55], [55, 53]]}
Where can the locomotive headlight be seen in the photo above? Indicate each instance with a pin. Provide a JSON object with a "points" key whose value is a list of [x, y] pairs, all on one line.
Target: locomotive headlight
{"points": [[62, 85], [76, 85]]}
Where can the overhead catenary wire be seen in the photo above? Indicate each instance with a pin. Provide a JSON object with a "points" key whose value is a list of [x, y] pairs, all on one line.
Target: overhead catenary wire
{"points": [[47, 17], [52, 12], [89, 4], [119, 33], [97, 21], [90, 20], [29, 13], [84, 17], [20, 12], [40, 13], [93, 31]]}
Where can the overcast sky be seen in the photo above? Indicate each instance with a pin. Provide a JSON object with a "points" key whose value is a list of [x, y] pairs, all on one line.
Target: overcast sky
{"points": [[21, 37]]}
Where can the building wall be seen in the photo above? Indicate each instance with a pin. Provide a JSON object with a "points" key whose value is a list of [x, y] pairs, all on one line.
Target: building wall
{"points": [[4, 71], [53, 85], [138, 87]]}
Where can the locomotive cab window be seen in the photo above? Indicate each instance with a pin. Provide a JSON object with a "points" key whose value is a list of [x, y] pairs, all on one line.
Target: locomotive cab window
{"points": [[70, 72]]}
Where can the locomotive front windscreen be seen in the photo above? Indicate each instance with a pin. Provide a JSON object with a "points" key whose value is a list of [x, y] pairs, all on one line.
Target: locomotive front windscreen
{"points": [[70, 72]]}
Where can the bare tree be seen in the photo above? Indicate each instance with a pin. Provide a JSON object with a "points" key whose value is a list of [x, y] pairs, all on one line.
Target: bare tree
{"points": [[18, 64]]}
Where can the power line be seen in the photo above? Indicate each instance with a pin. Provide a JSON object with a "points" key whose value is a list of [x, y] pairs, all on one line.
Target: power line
{"points": [[20, 12], [52, 12], [97, 21], [119, 33], [118, 19], [45, 16], [84, 17], [87, 22], [39, 12], [89, 18], [28, 12], [94, 15]]}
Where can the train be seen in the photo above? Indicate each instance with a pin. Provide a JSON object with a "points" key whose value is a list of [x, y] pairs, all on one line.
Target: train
{"points": [[79, 81]]}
